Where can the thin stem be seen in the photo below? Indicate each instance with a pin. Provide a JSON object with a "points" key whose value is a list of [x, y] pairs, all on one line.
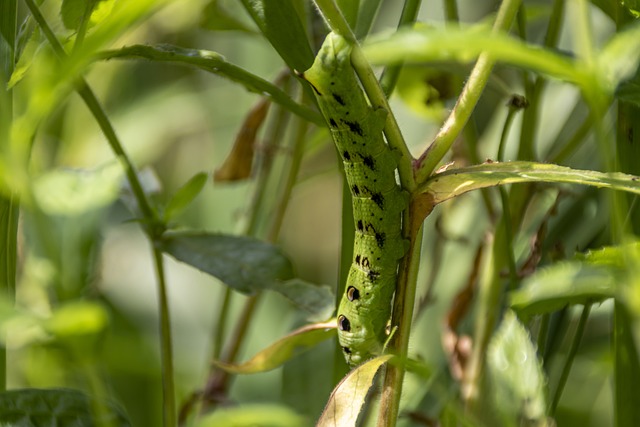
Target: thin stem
{"points": [[390, 74], [575, 344], [9, 205], [467, 101], [403, 306], [101, 118], [168, 387]]}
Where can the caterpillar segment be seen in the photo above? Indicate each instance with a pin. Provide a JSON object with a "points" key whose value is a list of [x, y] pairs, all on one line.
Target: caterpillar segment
{"points": [[378, 201]]}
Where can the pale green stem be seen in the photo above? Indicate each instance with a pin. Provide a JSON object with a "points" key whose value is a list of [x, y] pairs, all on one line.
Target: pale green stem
{"points": [[467, 101]]}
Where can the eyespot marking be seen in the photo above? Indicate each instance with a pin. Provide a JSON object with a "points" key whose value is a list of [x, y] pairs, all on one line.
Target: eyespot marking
{"points": [[338, 99], [369, 162], [378, 199], [380, 238], [353, 294], [346, 155], [333, 123], [353, 127], [344, 324]]}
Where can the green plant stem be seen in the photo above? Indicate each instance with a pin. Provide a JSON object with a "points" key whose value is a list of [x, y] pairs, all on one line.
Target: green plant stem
{"points": [[467, 101], [96, 109], [451, 10], [9, 205], [168, 386], [403, 306], [390, 74], [573, 350]]}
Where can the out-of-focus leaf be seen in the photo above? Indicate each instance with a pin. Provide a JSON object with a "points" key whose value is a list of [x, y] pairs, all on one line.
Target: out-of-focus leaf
{"points": [[237, 165], [34, 42], [79, 318], [615, 257], [517, 379], [243, 263], [217, 18], [454, 182], [633, 6], [284, 349], [280, 23], [57, 407], [74, 192], [253, 415], [316, 300], [626, 368], [425, 90], [619, 59], [562, 284], [347, 398], [185, 195], [73, 11], [215, 63]]}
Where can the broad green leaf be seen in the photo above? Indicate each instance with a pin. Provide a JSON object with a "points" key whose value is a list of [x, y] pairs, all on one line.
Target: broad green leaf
{"points": [[316, 300], [620, 57], [75, 192], [215, 63], [59, 408], [454, 182], [429, 44], [217, 18], [280, 23], [185, 195], [284, 349], [243, 263], [252, 415], [517, 380], [561, 284], [73, 11], [347, 398], [615, 257]]}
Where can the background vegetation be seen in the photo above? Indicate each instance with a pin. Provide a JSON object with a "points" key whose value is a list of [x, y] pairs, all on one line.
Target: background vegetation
{"points": [[114, 116]]}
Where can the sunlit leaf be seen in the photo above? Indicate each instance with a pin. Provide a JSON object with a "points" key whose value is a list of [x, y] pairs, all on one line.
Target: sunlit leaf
{"points": [[561, 284], [620, 57], [446, 44], [454, 182], [73, 11], [517, 380], [347, 398], [243, 263], [79, 318], [74, 192], [185, 195], [57, 407], [284, 349], [252, 415]]}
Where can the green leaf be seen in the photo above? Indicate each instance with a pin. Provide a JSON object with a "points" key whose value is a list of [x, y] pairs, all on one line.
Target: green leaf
{"points": [[185, 195], [78, 318], [76, 192], [629, 91], [454, 182], [73, 11], [564, 283], [347, 398], [619, 59], [280, 23], [245, 264], [215, 63], [429, 44], [217, 18], [284, 349], [252, 415], [518, 382], [317, 301], [57, 407]]}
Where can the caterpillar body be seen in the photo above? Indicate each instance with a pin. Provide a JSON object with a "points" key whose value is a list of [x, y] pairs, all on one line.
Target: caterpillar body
{"points": [[378, 201]]}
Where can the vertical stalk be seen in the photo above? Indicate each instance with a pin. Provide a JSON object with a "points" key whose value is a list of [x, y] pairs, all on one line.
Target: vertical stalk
{"points": [[8, 204]]}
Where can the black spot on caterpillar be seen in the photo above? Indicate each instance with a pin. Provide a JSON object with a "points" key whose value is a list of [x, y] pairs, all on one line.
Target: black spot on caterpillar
{"points": [[378, 201]]}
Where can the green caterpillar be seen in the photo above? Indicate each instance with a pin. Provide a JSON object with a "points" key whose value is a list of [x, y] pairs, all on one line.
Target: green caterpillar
{"points": [[378, 201]]}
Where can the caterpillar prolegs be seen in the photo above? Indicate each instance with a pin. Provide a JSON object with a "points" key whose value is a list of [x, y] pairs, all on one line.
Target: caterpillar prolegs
{"points": [[378, 201]]}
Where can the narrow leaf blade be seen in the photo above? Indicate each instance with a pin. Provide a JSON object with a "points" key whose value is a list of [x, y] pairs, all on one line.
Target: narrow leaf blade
{"points": [[185, 195]]}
